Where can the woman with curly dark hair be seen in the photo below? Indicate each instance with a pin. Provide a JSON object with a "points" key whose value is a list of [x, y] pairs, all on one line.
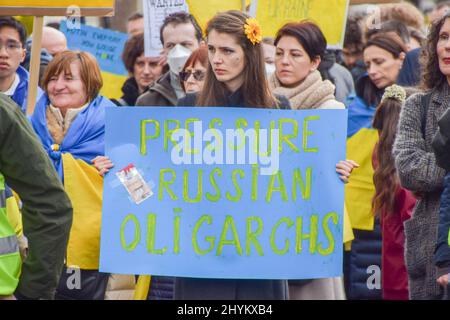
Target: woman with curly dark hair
{"points": [[416, 162], [392, 203]]}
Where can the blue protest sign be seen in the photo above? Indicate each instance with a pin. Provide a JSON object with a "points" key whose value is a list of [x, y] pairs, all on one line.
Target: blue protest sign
{"points": [[104, 44], [224, 193]]}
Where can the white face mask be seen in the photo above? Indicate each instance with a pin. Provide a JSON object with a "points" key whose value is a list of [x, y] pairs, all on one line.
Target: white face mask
{"points": [[270, 69], [177, 57]]}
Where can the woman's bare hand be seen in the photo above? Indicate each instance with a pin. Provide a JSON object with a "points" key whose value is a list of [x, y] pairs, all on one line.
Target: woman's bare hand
{"points": [[102, 164], [443, 280], [344, 168]]}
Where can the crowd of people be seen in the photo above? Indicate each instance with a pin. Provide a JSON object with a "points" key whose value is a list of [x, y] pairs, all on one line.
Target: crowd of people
{"points": [[392, 75]]}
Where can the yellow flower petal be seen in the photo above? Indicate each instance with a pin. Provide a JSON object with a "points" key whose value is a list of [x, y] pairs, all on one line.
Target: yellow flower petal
{"points": [[253, 31]]}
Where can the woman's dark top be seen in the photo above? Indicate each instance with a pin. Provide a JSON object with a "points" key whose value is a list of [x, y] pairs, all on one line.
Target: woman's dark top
{"points": [[234, 100]]}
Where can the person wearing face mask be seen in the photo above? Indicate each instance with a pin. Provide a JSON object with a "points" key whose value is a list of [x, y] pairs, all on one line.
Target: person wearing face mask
{"points": [[194, 71], [269, 56], [383, 56], [180, 35]]}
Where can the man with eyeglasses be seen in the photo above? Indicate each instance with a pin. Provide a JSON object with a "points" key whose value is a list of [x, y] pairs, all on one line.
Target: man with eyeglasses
{"points": [[13, 77]]}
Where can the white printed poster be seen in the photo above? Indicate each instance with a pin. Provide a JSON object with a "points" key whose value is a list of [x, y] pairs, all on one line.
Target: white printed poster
{"points": [[155, 11]]}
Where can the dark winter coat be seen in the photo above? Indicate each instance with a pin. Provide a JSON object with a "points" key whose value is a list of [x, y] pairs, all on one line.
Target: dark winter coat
{"points": [[409, 75], [130, 91]]}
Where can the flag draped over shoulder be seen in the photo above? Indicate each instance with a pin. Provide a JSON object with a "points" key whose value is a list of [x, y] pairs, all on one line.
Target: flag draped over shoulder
{"points": [[83, 248], [85, 138], [83, 142], [361, 141]]}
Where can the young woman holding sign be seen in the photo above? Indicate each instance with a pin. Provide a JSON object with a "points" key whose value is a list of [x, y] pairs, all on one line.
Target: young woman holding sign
{"points": [[236, 78], [236, 64]]}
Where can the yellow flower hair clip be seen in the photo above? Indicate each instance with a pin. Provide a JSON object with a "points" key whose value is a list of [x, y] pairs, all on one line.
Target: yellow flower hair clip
{"points": [[253, 30]]}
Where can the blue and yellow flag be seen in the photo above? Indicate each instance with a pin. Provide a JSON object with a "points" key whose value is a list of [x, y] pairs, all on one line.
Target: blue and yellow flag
{"points": [[361, 140], [84, 186]]}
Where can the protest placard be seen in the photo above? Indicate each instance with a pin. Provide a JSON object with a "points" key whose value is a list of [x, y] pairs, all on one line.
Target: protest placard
{"points": [[156, 11], [204, 13], [56, 8], [330, 15], [356, 2], [154, 14], [223, 193], [107, 47], [40, 8]]}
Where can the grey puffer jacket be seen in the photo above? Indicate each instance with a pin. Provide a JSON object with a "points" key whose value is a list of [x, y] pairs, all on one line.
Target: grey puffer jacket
{"points": [[418, 172]]}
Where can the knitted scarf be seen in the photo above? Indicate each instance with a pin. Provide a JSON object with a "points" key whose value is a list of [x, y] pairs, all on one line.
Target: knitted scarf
{"points": [[312, 93]]}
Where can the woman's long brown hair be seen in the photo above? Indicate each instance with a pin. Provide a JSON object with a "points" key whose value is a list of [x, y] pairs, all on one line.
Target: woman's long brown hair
{"points": [[385, 176], [255, 87]]}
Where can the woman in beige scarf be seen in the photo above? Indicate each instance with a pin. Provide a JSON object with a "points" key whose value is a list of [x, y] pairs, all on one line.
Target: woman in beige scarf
{"points": [[299, 48]]}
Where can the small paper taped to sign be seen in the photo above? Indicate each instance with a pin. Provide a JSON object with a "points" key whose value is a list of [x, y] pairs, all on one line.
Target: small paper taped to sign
{"points": [[132, 180]]}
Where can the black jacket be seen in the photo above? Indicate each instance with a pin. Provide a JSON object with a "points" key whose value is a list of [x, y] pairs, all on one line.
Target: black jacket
{"points": [[441, 142], [130, 91], [365, 252], [358, 70], [235, 99], [409, 75], [441, 146], [230, 289]]}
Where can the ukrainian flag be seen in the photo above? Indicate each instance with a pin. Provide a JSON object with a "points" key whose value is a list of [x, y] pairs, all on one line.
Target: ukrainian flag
{"points": [[361, 141]]}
